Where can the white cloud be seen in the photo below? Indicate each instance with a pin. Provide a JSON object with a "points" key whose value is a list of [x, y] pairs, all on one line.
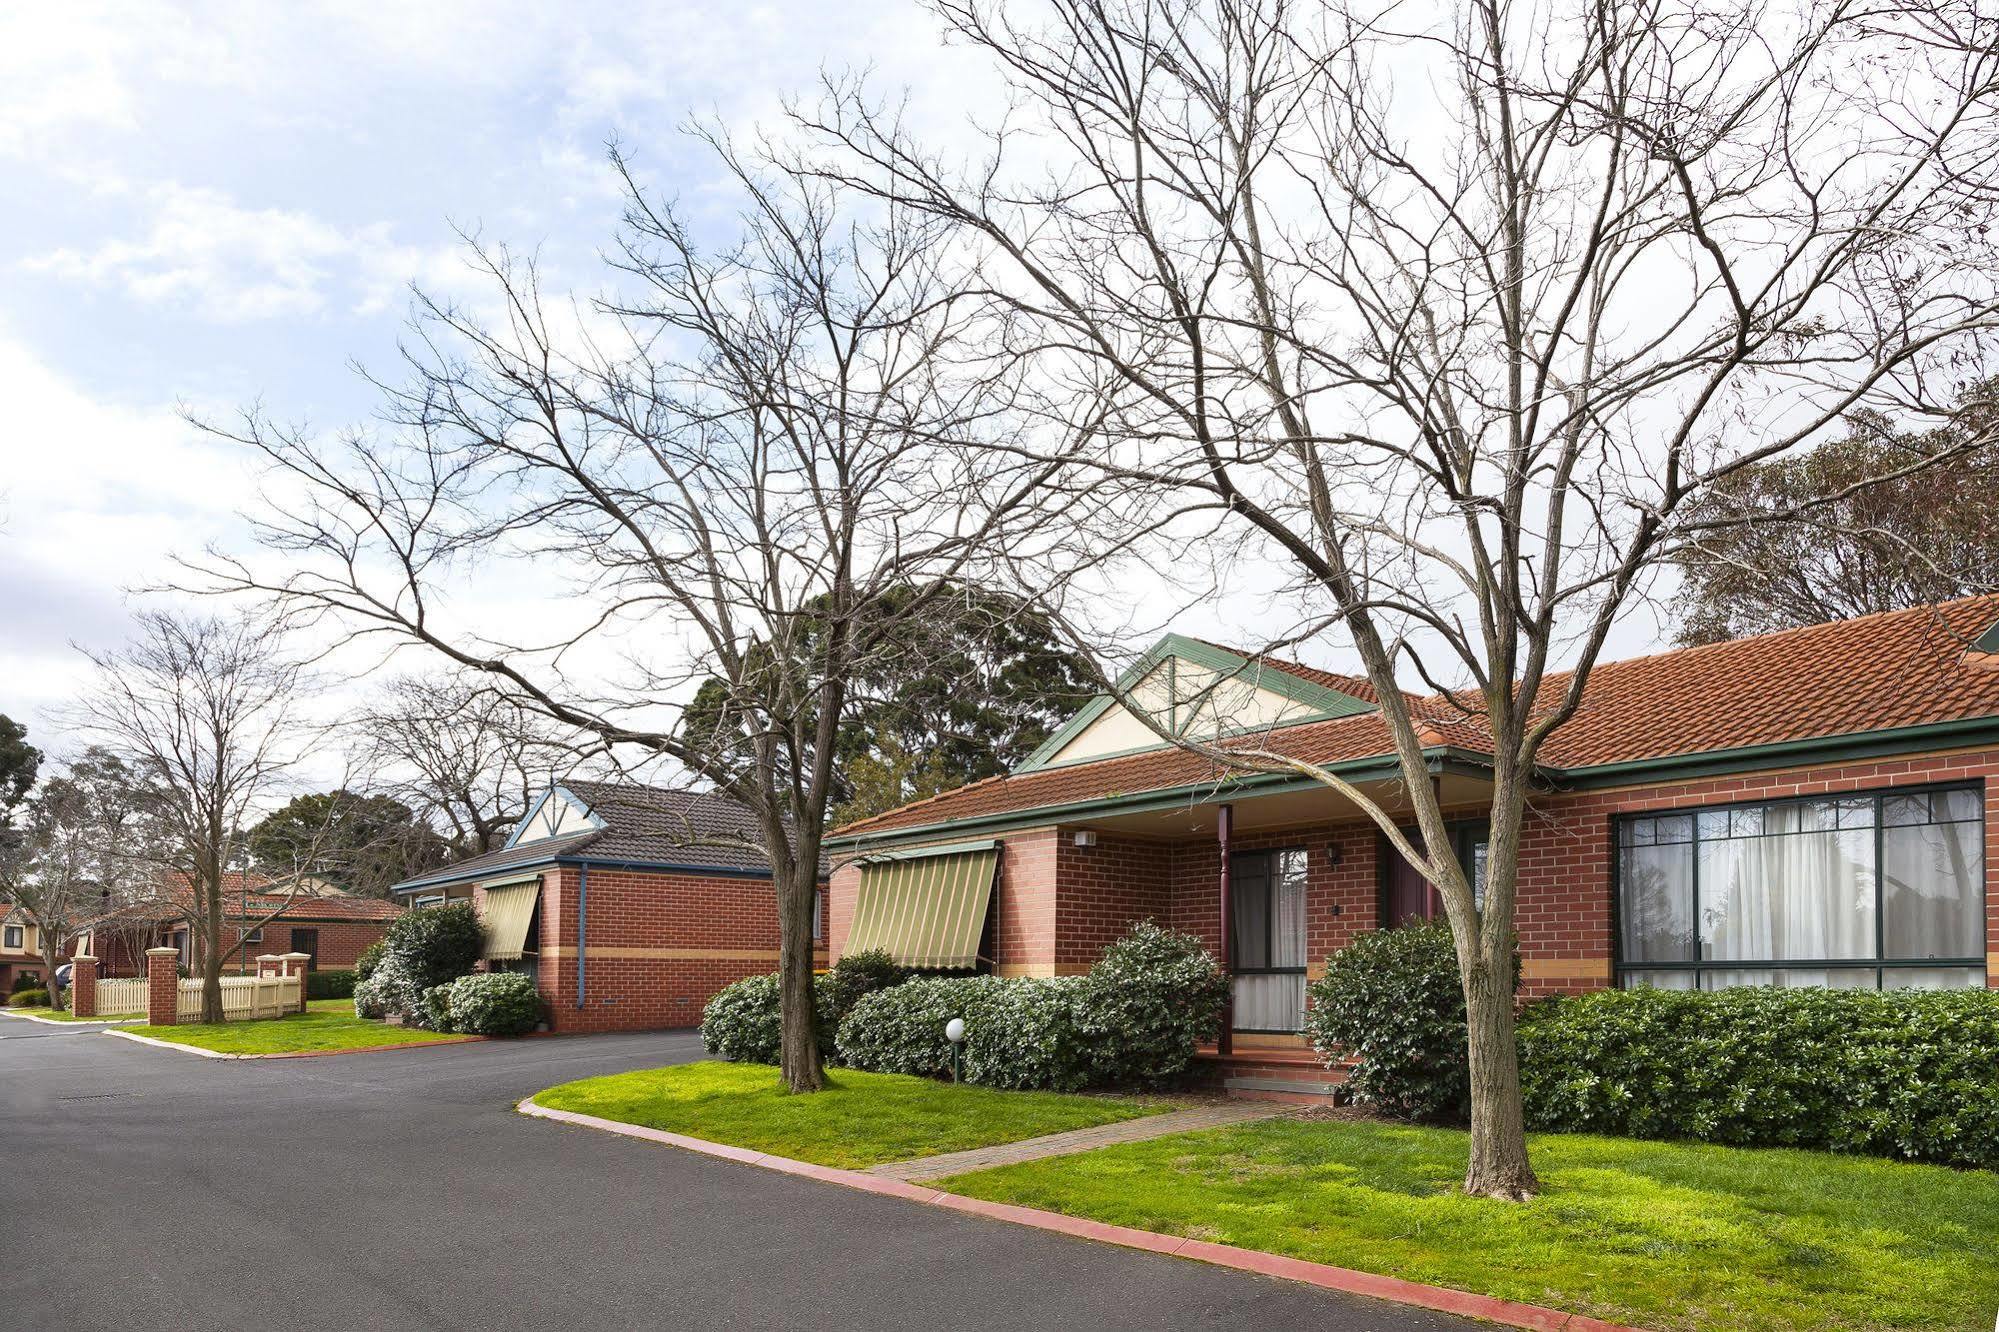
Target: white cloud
{"points": [[202, 251]]}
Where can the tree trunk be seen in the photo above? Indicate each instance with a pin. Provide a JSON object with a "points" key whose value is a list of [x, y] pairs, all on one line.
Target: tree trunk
{"points": [[1498, 1166], [799, 1050]]}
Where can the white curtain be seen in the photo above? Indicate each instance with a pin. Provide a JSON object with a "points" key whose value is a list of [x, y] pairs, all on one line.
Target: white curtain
{"points": [[1800, 888]]}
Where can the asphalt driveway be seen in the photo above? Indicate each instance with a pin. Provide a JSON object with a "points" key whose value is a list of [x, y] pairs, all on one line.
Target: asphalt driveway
{"points": [[400, 1189]]}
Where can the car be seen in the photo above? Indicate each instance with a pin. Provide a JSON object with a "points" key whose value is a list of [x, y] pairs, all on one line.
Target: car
{"points": [[62, 975]]}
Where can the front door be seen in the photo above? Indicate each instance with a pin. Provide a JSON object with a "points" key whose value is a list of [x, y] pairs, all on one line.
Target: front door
{"points": [[1267, 939], [307, 942]]}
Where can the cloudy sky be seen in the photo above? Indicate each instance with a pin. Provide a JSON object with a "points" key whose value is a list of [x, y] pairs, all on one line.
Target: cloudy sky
{"points": [[213, 205]]}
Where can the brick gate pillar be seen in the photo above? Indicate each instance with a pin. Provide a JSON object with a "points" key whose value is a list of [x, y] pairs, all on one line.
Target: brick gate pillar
{"points": [[83, 985], [295, 964], [162, 986]]}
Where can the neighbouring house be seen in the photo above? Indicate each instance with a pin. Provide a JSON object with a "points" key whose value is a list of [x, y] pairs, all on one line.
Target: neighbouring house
{"points": [[1812, 807], [20, 950], [630, 905], [329, 926]]}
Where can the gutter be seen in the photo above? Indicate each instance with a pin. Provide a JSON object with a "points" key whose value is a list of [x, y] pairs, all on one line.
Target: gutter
{"points": [[1373, 767]]}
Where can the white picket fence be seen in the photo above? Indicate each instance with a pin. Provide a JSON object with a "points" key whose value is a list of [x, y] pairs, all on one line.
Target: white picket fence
{"points": [[243, 998], [118, 997]]}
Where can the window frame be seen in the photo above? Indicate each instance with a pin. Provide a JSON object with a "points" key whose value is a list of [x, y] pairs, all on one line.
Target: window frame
{"points": [[14, 938], [1623, 971], [1269, 915]]}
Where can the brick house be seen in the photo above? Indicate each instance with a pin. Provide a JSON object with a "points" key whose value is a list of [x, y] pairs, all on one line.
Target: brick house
{"points": [[329, 926], [630, 905], [1812, 807]]}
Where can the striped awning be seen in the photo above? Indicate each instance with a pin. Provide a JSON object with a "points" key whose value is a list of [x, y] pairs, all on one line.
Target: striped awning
{"points": [[926, 908], [506, 914]]}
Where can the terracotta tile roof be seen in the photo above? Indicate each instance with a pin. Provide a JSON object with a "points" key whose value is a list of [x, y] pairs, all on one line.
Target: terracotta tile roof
{"points": [[1341, 739], [1872, 673], [177, 902]]}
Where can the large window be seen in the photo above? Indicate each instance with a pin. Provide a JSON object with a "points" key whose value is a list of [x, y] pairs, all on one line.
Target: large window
{"points": [[1863, 891], [12, 938]]}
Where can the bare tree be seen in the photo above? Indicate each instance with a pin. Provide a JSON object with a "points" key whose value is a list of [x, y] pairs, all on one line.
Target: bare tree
{"points": [[468, 760], [83, 829], [1453, 308], [774, 448], [205, 710]]}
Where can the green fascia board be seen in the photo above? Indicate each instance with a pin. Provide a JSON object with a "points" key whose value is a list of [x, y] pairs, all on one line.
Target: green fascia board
{"points": [[924, 852], [1746, 758], [1325, 703], [1964, 732], [1380, 767]]}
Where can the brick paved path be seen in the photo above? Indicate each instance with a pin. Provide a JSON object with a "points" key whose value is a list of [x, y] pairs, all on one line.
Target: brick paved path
{"points": [[1220, 1114]]}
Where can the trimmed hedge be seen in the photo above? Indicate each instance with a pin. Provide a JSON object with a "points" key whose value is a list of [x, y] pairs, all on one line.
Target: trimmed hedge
{"points": [[1028, 1033], [28, 999], [1902, 1073], [901, 1029], [435, 1010], [1152, 998], [1134, 1020], [1392, 1001], [742, 1021], [334, 984], [24, 981], [502, 1003]]}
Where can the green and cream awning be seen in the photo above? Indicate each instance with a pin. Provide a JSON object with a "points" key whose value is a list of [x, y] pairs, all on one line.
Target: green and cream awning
{"points": [[505, 913], [926, 908]]}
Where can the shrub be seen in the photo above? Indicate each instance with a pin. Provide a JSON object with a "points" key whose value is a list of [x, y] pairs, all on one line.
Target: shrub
{"points": [[852, 976], [24, 981], [434, 1011], [369, 1001], [501, 1003], [1392, 1001], [901, 1029], [1149, 1001], [334, 984], [434, 945], [1903, 1073], [396, 991], [1027, 1034], [370, 958], [28, 999], [741, 1021]]}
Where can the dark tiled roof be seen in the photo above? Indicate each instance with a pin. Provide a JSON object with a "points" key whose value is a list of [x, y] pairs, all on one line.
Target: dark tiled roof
{"points": [[1848, 677], [643, 824]]}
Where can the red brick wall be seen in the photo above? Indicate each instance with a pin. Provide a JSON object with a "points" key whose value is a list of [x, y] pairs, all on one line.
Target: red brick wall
{"points": [[1061, 904], [660, 946]]}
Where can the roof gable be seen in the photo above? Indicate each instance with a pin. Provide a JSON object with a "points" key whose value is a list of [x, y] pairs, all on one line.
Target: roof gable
{"points": [[1195, 689], [1899, 681], [558, 812]]}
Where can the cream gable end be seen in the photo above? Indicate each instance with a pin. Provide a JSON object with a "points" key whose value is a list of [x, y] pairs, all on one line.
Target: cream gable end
{"points": [[556, 814], [1193, 690]]}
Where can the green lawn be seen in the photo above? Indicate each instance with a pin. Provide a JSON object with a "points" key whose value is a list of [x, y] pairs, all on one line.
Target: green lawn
{"points": [[327, 1024], [861, 1119], [1662, 1235]]}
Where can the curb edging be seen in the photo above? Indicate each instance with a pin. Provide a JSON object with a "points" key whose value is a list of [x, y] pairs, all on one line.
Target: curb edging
{"points": [[288, 1054], [1393, 1290]]}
